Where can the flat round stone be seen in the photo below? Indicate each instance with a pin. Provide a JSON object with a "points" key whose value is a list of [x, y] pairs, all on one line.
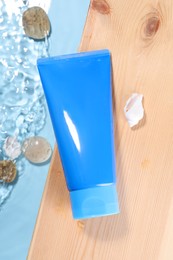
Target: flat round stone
{"points": [[7, 171], [36, 23], [36, 149]]}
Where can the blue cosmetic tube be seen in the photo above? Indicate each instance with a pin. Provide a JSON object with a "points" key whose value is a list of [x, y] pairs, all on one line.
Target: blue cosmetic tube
{"points": [[79, 97]]}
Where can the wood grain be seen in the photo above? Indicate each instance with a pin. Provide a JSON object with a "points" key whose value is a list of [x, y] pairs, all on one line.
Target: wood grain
{"points": [[139, 34]]}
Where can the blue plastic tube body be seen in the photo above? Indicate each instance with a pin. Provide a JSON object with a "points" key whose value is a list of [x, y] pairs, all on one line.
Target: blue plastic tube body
{"points": [[79, 96]]}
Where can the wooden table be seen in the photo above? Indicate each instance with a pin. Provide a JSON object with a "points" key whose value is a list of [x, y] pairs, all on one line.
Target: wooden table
{"points": [[139, 34]]}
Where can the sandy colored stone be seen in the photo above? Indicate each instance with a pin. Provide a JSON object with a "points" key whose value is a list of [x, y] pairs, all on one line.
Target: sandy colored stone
{"points": [[36, 23], [7, 171]]}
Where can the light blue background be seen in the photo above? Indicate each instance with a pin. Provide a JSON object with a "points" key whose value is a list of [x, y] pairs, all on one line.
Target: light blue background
{"points": [[18, 215]]}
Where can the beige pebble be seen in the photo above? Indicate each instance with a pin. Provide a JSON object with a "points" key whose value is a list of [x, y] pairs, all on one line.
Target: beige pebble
{"points": [[7, 171], [36, 149], [36, 23]]}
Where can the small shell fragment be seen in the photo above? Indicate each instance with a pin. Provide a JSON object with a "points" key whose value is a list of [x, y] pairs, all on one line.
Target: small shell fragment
{"points": [[36, 23], [7, 171], [134, 110], [12, 147], [36, 149]]}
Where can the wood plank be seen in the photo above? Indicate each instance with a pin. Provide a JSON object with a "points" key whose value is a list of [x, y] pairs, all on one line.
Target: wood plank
{"points": [[140, 36]]}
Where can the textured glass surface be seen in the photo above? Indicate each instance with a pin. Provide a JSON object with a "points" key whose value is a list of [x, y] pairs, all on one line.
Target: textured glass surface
{"points": [[22, 103]]}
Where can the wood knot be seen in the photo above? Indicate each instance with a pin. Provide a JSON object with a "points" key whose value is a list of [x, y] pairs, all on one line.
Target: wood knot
{"points": [[152, 26], [101, 6]]}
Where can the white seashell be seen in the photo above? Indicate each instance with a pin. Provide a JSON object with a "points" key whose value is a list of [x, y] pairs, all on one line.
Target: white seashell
{"points": [[12, 147], [134, 110]]}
